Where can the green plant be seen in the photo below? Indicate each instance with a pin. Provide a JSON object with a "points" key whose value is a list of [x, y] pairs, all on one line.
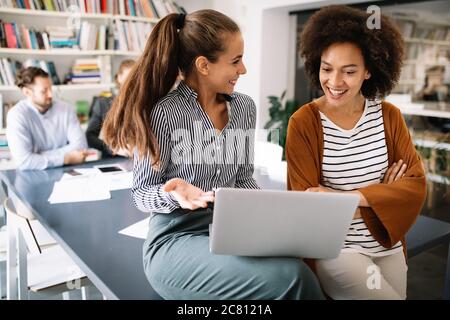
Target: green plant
{"points": [[442, 154], [279, 118]]}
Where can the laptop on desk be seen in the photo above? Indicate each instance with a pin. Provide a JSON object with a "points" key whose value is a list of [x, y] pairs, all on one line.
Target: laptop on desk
{"points": [[268, 223]]}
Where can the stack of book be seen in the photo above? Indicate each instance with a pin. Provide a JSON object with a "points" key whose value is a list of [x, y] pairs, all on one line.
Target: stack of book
{"points": [[62, 37], [88, 37], [5, 154], [131, 36], [4, 108], [93, 37], [9, 68], [138, 8], [86, 71]]}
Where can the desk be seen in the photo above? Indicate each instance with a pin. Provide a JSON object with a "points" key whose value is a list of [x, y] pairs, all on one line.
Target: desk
{"points": [[88, 231]]}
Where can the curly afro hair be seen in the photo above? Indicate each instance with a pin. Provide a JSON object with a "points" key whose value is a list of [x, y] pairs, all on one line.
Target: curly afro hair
{"points": [[382, 49]]}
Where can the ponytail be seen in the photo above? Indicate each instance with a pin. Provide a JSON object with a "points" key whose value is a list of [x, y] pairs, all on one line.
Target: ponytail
{"points": [[126, 125], [173, 45]]}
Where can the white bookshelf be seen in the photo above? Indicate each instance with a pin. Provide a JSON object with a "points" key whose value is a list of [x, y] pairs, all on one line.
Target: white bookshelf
{"points": [[64, 58], [427, 44], [438, 178], [426, 109], [427, 41], [4, 12], [7, 52], [66, 87], [432, 144]]}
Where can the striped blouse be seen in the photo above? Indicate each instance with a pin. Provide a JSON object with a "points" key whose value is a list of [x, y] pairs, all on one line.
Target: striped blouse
{"points": [[193, 150], [354, 159]]}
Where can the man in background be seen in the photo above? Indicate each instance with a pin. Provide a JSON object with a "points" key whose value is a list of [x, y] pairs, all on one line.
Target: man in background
{"points": [[43, 132]]}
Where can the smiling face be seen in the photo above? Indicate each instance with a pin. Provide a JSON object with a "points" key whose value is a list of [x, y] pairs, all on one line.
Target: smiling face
{"points": [[223, 74], [342, 73]]}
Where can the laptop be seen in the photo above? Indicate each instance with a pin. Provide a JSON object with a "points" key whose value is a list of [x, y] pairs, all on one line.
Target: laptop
{"points": [[267, 223]]}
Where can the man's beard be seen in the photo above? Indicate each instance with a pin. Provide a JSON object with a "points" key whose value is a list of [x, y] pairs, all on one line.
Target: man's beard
{"points": [[43, 107]]}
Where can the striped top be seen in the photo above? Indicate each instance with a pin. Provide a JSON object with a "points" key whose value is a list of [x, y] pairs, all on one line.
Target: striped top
{"points": [[193, 150], [353, 159]]}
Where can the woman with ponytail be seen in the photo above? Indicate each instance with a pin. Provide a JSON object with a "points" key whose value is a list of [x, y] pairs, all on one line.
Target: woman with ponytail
{"points": [[184, 145]]}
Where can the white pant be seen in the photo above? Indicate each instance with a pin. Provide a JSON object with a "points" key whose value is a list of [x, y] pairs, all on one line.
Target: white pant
{"points": [[357, 276]]}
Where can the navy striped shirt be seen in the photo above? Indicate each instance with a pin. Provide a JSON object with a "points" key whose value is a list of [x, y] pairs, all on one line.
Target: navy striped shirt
{"points": [[193, 150], [354, 159]]}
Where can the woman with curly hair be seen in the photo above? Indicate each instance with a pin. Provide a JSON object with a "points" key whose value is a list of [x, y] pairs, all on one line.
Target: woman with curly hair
{"points": [[350, 141]]}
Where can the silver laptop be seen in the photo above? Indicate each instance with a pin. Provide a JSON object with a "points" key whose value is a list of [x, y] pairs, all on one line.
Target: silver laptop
{"points": [[280, 223]]}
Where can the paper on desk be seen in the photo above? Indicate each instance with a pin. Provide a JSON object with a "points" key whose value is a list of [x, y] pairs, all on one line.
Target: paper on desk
{"points": [[116, 181], [137, 230], [81, 188], [121, 180]]}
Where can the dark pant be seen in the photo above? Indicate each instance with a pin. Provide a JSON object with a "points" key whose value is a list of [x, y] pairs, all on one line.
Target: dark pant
{"points": [[179, 265]]}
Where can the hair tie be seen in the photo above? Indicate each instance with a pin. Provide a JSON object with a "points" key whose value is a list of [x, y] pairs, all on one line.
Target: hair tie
{"points": [[180, 21]]}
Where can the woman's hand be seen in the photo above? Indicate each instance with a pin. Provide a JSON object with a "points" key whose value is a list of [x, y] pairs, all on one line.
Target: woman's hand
{"points": [[187, 195], [395, 172], [320, 188]]}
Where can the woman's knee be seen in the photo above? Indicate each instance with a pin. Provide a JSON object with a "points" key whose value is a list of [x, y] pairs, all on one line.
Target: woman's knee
{"points": [[295, 280]]}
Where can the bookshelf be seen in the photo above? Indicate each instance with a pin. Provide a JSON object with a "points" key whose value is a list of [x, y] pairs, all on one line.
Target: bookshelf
{"points": [[427, 43], [130, 19], [114, 30], [66, 52]]}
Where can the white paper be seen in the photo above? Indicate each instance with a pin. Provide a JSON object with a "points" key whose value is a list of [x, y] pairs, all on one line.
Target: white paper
{"points": [[116, 180], [81, 188], [121, 180], [137, 230]]}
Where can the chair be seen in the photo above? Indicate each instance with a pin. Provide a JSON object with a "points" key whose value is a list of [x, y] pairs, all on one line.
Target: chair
{"points": [[41, 273], [425, 234], [3, 238]]}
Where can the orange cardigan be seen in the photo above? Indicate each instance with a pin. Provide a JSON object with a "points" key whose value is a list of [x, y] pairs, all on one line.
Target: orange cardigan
{"points": [[393, 207]]}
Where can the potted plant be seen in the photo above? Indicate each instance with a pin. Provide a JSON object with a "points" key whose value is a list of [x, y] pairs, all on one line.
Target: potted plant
{"points": [[280, 112]]}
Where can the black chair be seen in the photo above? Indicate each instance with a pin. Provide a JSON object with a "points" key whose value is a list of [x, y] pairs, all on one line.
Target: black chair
{"points": [[425, 234]]}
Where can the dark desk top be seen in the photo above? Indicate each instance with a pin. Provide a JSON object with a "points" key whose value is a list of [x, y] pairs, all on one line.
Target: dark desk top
{"points": [[88, 231]]}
